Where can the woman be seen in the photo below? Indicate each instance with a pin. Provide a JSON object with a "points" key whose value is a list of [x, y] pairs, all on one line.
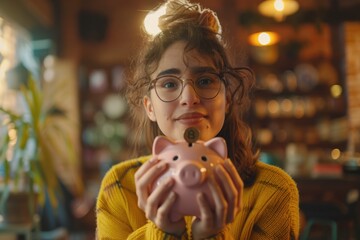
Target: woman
{"points": [[169, 93]]}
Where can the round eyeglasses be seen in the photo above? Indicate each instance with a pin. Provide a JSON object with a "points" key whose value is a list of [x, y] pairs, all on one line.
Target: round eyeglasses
{"points": [[169, 87]]}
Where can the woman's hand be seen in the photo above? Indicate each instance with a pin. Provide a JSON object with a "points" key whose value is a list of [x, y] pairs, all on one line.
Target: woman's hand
{"points": [[157, 203], [227, 191]]}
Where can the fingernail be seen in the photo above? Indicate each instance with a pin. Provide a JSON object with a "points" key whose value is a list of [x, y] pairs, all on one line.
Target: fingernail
{"points": [[170, 182], [172, 195], [153, 159], [162, 166], [202, 197]]}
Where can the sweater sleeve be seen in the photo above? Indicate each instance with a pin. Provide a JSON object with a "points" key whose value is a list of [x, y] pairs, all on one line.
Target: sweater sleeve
{"points": [[111, 208], [278, 216]]}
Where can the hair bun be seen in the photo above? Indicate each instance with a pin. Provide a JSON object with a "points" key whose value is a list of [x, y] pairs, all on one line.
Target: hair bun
{"points": [[182, 12], [209, 19]]}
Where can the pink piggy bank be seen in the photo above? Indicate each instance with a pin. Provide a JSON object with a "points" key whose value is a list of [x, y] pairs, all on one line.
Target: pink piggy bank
{"points": [[191, 165]]}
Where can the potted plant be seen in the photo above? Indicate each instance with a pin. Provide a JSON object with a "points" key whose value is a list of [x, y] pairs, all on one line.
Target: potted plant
{"points": [[27, 152]]}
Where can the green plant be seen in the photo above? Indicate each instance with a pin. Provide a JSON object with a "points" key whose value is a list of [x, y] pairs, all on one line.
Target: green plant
{"points": [[28, 147]]}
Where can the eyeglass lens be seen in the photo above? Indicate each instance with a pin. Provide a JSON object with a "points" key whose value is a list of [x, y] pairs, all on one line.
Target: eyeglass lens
{"points": [[169, 88]]}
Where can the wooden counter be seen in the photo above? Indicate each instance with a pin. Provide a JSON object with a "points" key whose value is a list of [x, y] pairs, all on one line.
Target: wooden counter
{"points": [[336, 198]]}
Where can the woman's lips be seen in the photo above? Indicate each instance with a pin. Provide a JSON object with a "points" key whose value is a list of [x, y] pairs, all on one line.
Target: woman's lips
{"points": [[190, 117]]}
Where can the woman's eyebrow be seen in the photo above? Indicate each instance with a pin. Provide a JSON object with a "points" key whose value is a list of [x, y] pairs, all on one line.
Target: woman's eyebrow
{"points": [[193, 70], [170, 71]]}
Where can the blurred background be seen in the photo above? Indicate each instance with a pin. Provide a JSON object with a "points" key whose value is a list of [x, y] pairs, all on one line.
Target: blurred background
{"points": [[62, 69]]}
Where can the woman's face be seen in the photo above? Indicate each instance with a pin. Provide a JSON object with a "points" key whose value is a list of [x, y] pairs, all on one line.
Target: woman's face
{"points": [[188, 110]]}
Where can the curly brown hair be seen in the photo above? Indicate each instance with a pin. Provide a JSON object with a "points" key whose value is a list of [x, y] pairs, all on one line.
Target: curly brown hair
{"points": [[201, 30]]}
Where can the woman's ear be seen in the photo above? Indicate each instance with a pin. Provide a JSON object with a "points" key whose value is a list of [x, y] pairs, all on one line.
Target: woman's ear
{"points": [[149, 108]]}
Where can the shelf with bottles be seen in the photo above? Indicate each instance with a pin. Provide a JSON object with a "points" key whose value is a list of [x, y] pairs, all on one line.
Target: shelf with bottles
{"points": [[315, 131], [302, 105], [104, 118], [297, 108], [306, 90]]}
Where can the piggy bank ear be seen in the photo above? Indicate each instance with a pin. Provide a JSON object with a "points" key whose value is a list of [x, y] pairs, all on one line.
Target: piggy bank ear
{"points": [[218, 145], [160, 143]]}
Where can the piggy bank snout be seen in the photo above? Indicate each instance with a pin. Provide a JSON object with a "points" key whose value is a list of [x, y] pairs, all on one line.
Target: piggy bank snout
{"points": [[192, 174]]}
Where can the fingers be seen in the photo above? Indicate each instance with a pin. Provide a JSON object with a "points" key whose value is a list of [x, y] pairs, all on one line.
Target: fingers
{"points": [[164, 210], [205, 210], [144, 178], [157, 201], [205, 225], [231, 186], [145, 167], [162, 218], [158, 198], [239, 184], [229, 191], [221, 204], [159, 205], [206, 221], [226, 190]]}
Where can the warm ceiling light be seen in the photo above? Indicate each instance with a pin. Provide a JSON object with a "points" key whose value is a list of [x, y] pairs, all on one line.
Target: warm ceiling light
{"points": [[263, 38], [278, 9], [336, 90]]}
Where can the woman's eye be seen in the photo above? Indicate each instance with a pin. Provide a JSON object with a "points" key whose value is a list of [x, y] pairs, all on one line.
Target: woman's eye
{"points": [[168, 83], [204, 82]]}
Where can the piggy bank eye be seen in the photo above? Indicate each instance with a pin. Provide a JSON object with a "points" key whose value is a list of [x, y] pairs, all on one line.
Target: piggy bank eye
{"points": [[175, 158], [204, 158]]}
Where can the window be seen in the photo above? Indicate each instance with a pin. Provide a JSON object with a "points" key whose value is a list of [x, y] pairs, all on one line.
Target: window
{"points": [[7, 60]]}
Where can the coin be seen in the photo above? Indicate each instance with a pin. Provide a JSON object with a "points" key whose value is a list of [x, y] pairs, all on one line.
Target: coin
{"points": [[191, 135]]}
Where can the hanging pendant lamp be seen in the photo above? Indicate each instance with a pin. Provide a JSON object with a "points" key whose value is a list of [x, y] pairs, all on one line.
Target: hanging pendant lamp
{"points": [[278, 9]]}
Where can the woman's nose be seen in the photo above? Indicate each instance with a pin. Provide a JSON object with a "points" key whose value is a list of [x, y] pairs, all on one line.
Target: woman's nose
{"points": [[189, 95]]}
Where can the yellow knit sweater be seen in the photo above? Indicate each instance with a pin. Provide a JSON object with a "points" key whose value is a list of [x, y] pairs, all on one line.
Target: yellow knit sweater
{"points": [[270, 208]]}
